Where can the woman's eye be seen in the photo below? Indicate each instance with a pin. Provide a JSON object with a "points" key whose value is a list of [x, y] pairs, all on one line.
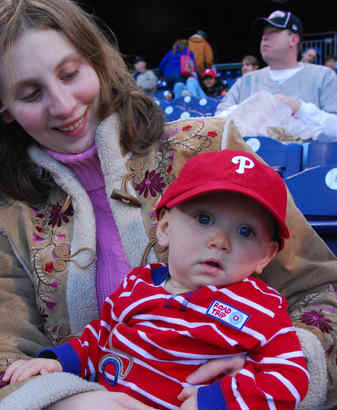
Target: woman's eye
{"points": [[246, 231], [70, 75], [32, 96], [204, 219]]}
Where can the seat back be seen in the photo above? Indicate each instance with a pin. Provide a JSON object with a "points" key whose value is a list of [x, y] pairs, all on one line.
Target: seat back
{"points": [[197, 107], [286, 159], [319, 153], [315, 193]]}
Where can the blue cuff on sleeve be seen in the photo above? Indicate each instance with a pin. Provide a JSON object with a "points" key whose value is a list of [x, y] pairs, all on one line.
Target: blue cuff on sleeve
{"points": [[211, 397], [66, 355]]}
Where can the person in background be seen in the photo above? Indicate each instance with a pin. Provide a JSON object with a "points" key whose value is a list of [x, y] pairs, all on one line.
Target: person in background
{"points": [[331, 62], [211, 85], [222, 220], [202, 50], [249, 63], [308, 89], [170, 69], [84, 156], [145, 79], [139, 66], [309, 56]]}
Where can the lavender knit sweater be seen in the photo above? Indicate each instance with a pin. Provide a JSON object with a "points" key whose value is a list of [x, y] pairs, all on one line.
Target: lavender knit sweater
{"points": [[111, 265]]}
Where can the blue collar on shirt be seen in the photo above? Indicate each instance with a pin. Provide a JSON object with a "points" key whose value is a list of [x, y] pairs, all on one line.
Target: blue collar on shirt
{"points": [[159, 275]]}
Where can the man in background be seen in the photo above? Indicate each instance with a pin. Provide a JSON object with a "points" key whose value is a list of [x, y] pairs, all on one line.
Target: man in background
{"points": [[308, 89], [309, 56], [202, 51]]}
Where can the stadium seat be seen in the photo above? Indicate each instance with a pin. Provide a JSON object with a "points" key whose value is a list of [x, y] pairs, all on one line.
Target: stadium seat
{"points": [[286, 159], [315, 193], [197, 107], [186, 107], [319, 153], [173, 111]]}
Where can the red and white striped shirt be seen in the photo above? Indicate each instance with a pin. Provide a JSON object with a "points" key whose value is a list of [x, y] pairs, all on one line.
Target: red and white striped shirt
{"points": [[148, 341]]}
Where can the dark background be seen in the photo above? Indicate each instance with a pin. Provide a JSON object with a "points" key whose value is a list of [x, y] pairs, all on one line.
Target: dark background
{"points": [[149, 28]]}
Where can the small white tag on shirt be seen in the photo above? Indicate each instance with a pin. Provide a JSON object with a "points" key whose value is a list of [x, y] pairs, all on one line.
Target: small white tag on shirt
{"points": [[227, 314]]}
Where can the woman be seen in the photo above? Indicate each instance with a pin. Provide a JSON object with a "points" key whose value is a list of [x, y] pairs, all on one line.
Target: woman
{"points": [[170, 69], [84, 157]]}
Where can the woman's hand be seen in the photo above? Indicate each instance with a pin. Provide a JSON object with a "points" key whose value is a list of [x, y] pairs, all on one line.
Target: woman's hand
{"points": [[189, 396], [217, 367], [100, 399], [23, 369]]}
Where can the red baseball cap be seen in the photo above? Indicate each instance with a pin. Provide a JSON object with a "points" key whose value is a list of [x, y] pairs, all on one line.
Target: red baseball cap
{"points": [[209, 73], [235, 171]]}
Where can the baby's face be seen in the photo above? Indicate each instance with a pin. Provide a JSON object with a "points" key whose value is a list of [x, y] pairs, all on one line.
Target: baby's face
{"points": [[217, 239]]}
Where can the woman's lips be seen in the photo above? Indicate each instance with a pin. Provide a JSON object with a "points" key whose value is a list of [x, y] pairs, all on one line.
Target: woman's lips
{"points": [[75, 126]]}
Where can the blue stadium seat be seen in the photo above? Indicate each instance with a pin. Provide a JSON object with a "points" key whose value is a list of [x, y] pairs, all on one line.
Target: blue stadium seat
{"points": [[286, 159], [186, 107], [197, 107], [315, 193], [319, 153], [159, 94], [172, 111]]}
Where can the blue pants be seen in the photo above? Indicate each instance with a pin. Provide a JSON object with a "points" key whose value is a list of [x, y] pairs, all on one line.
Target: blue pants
{"points": [[191, 85]]}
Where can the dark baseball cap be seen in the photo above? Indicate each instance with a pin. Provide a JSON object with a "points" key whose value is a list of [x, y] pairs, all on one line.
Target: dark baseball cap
{"points": [[283, 20]]}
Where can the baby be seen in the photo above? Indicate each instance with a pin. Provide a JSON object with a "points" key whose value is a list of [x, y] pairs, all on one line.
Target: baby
{"points": [[223, 220]]}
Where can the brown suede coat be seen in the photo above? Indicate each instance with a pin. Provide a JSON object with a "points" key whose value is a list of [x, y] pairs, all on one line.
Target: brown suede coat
{"points": [[47, 275]]}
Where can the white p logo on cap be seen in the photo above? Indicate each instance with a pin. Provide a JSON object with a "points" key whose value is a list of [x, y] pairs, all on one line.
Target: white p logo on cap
{"points": [[243, 162]]}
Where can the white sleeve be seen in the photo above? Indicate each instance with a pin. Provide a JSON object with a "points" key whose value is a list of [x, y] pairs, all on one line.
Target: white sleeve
{"points": [[324, 121], [226, 112]]}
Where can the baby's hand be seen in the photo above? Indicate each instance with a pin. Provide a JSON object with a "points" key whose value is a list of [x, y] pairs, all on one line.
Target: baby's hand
{"points": [[189, 396], [23, 369]]}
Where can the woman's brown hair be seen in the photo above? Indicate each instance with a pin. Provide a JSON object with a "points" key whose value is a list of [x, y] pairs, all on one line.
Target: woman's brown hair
{"points": [[141, 120], [179, 45]]}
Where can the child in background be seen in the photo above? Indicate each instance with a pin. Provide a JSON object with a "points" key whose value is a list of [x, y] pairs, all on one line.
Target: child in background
{"points": [[223, 220], [249, 63], [211, 85]]}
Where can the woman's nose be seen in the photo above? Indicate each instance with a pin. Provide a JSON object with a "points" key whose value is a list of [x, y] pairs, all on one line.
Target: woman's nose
{"points": [[220, 240], [61, 102]]}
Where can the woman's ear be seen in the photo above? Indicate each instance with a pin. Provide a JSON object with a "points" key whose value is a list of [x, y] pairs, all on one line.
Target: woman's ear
{"points": [[162, 228], [7, 117]]}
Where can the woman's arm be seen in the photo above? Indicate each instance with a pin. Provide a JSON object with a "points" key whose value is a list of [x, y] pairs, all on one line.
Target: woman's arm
{"points": [[20, 321]]}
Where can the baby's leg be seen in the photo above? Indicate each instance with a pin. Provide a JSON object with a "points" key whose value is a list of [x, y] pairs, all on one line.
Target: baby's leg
{"points": [[102, 400]]}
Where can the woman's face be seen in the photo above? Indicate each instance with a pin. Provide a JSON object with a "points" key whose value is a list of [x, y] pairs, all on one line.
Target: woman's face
{"points": [[52, 91]]}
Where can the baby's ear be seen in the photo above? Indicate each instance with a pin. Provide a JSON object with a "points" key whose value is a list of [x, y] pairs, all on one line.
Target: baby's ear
{"points": [[162, 228], [269, 256]]}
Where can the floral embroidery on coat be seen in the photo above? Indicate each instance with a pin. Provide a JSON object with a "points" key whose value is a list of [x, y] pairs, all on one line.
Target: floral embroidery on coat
{"points": [[179, 143], [151, 173], [51, 251], [317, 319]]}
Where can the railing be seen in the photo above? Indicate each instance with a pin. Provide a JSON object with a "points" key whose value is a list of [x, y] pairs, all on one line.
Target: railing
{"points": [[228, 72], [324, 43]]}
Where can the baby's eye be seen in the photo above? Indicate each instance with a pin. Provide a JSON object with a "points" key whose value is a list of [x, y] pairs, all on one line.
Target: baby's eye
{"points": [[204, 219], [246, 231]]}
